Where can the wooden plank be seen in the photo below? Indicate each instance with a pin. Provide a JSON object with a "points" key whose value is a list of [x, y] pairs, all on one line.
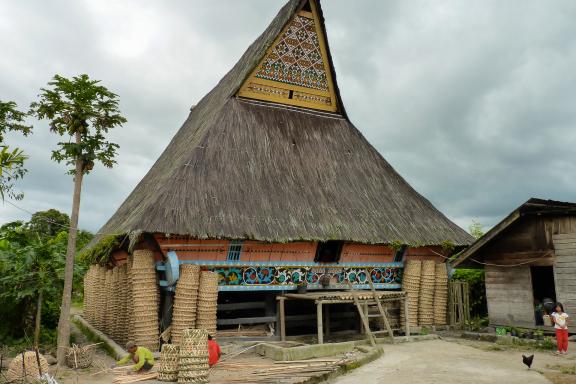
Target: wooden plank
{"points": [[245, 305], [563, 236], [247, 320], [320, 328], [564, 246]]}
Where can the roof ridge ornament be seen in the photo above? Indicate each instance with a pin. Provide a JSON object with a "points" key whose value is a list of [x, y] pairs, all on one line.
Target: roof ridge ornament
{"points": [[295, 69]]}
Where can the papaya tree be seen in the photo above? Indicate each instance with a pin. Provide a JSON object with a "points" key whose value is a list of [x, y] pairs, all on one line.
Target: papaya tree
{"points": [[82, 111], [11, 159]]}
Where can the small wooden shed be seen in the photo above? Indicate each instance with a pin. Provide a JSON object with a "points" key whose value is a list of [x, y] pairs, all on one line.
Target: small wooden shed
{"points": [[528, 257]]}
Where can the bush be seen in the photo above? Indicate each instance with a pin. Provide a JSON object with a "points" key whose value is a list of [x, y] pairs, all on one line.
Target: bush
{"points": [[475, 279]]}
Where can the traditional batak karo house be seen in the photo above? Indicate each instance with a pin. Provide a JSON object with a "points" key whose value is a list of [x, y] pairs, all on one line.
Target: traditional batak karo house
{"points": [[529, 256], [271, 186]]}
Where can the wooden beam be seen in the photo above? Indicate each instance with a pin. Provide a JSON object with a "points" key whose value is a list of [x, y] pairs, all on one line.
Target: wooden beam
{"points": [[247, 320]]}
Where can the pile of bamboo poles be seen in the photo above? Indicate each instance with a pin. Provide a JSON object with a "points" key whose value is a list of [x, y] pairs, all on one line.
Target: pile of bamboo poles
{"points": [[440, 294], [207, 302], [276, 372], [411, 285], [145, 300], [185, 301]]}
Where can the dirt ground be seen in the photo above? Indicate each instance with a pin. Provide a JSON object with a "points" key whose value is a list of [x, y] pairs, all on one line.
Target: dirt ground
{"points": [[447, 362]]}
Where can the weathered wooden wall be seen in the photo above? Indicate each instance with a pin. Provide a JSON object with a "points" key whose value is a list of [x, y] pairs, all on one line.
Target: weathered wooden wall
{"points": [[509, 296], [565, 270]]}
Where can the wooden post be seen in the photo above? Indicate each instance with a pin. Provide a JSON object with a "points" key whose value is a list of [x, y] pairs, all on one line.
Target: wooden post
{"points": [[282, 315], [319, 322], [407, 316], [327, 321]]}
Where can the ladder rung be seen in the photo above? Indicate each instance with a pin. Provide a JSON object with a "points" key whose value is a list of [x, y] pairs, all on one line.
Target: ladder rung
{"points": [[373, 332], [374, 315]]}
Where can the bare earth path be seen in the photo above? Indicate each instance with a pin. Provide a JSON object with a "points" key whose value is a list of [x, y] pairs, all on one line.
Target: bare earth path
{"points": [[442, 362]]}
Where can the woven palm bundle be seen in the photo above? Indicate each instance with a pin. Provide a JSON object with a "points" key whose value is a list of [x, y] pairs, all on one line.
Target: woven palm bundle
{"points": [[88, 311], [185, 301], [426, 299], [193, 358], [441, 294], [122, 302], [79, 357], [411, 285], [108, 314], [168, 365], [145, 300], [100, 299], [115, 305], [129, 300], [207, 302], [24, 368]]}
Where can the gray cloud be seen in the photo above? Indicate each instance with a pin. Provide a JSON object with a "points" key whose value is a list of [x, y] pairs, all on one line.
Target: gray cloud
{"points": [[472, 102]]}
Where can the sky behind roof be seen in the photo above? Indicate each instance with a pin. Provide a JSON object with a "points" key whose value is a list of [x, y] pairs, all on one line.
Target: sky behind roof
{"points": [[473, 103]]}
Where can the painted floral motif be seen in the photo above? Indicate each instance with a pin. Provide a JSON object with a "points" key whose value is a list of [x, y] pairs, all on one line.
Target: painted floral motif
{"points": [[290, 276]]}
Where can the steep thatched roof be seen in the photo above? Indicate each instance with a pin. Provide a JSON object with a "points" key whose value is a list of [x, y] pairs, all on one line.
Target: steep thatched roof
{"points": [[240, 168]]}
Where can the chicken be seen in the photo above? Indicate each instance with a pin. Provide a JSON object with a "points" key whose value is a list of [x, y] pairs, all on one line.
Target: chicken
{"points": [[528, 360]]}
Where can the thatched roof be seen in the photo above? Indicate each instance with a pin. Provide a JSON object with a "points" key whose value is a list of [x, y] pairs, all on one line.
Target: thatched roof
{"points": [[240, 168]]}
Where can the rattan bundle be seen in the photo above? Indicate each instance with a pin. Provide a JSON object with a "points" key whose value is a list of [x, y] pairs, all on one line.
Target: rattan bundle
{"points": [[145, 300], [116, 305], [24, 368], [108, 314], [129, 300], [79, 357], [207, 302], [168, 365], [440, 294], [100, 299], [411, 285], [193, 359], [185, 301], [426, 299], [89, 286], [123, 308]]}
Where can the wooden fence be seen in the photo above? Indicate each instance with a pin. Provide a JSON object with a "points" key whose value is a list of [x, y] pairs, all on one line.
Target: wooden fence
{"points": [[458, 303]]}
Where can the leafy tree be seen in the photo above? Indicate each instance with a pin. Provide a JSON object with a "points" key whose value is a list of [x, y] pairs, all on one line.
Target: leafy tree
{"points": [[83, 111], [48, 223], [11, 160], [476, 229], [31, 273]]}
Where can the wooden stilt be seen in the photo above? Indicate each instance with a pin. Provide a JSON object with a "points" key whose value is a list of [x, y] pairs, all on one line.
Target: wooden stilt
{"points": [[319, 322], [282, 316]]}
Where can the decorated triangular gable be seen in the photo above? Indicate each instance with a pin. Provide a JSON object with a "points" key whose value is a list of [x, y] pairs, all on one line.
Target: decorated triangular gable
{"points": [[295, 70]]}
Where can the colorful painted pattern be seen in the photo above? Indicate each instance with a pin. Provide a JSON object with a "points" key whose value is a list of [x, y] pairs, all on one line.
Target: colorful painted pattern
{"points": [[305, 275], [296, 58]]}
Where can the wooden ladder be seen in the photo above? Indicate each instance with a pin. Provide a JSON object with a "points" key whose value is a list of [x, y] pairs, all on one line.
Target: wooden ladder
{"points": [[382, 312], [363, 315]]}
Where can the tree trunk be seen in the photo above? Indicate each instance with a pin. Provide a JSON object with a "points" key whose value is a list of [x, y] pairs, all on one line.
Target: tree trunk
{"points": [[38, 321], [63, 322]]}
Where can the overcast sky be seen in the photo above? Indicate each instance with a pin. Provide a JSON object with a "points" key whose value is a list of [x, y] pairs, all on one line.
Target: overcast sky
{"points": [[473, 102]]}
